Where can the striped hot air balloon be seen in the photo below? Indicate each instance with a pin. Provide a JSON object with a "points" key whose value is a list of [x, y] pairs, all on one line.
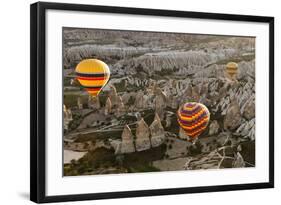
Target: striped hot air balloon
{"points": [[193, 118], [93, 75]]}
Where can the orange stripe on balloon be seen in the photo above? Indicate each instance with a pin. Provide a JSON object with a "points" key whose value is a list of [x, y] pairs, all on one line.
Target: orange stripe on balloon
{"points": [[195, 125], [190, 118], [197, 132]]}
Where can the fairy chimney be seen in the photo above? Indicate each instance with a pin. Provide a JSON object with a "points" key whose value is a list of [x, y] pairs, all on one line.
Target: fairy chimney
{"points": [[94, 102], [192, 94], [142, 136], [139, 102], [127, 145], [182, 134], [108, 107], [79, 103], [121, 110], [67, 117], [113, 95], [233, 116], [160, 103], [157, 132]]}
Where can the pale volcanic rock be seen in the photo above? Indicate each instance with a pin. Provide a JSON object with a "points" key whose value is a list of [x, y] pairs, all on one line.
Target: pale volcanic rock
{"points": [[143, 99], [118, 146], [157, 132], [168, 119], [151, 86], [79, 52], [160, 103], [94, 102], [249, 109], [79, 103], [188, 92], [119, 100], [142, 136], [233, 116], [174, 102], [191, 94], [182, 62], [127, 144], [67, 117], [246, 70], [182, 134], [195, 94], [247, 129], [214, 127], [113, 95], [146, 100], [127, 97], [238, 161], [108, 107], [206, 101], [222, 92], [120, 107], [241, 92], [139, 102], [203, 89]]}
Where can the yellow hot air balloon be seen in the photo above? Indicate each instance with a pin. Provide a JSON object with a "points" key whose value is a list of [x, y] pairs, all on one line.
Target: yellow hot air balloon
{"points": [[92, 74], [232, 70]]}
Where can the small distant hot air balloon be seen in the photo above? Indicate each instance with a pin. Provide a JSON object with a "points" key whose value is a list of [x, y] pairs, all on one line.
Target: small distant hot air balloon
{"points": [[93, 75], [232, 70], [193, 118]]}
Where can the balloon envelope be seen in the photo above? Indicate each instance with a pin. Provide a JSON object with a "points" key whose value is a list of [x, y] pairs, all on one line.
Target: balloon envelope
{"points": [[193, 118], [231, 68], [93, 75]]}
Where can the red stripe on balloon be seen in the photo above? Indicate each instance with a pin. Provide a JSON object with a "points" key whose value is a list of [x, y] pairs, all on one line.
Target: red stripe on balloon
{"points": [[93, 89], [91, 78]]}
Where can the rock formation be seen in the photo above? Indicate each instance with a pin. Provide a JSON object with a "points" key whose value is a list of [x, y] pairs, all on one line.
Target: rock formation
{"points": [[239, 161], [79, 103], [157, 132], [151, 87], [127, 144], [249, 109], [214, 127], [191, 94], [195, 94], [142, 136], [247, 129], [94, 102], [182, 134], [174, 103], [67, 117], [160, 103], [233, 116], [139, 102], [168, 119], [108, 107], [120, 110], [143, 140], [224, 157], [113, 95], [188, 92]]}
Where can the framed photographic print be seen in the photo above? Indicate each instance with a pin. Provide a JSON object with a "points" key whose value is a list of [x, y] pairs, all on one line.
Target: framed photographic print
{"points": [[129, 102]]}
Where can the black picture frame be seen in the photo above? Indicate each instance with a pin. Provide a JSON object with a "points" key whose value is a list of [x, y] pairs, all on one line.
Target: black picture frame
{"points": [[38, 101]]}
